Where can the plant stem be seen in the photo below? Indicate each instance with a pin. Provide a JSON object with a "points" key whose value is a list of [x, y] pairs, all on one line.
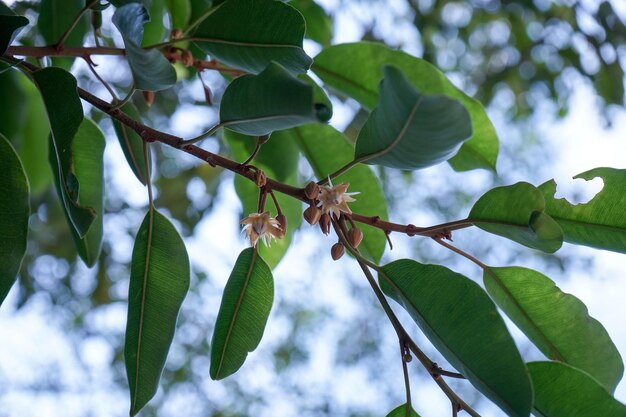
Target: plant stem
{"points": [[198, 138], [337, 173], [407, 382], [61, 42], [106, 85]]}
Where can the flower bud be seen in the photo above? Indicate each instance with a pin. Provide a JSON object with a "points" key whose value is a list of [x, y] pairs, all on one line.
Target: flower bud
{"points": [[282, 220], [312, 191], [337, 251], [355, 236], [177, 34], [407, 357], [186, 58], [260, 179], [149, 97], [325, 223], [312, 215]]}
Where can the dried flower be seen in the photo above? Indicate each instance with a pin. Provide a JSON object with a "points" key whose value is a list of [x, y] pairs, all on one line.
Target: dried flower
{"points": [[186, 58], [261, 226], [337, 251], [260, 179], [334, 199], [312, 191], [312, 215]]}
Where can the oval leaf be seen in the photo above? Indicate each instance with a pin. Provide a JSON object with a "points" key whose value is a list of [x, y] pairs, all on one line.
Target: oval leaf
{"points": [[409, 130], [556, 322], [516, 212], [601, 222], [249, 34], [400, 411], [273, 100], [56, 16], [356, 70], [14, 213], [132, 144], [151, 70], [159, 281], [564, 391], [245, 307], [10, 26], [462, 322]]}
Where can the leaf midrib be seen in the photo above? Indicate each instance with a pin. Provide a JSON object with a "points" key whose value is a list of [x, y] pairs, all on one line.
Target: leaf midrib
{"points": [[243, 43]]}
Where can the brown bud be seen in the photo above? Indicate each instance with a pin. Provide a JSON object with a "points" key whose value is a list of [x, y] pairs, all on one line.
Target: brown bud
{"points": [[208, 94], [149, 97], [325, 223], [177, 34], [312, 191], [312, 215], [186, 58], [355, 236], [337, 251], [407, 357], [260, 179], [283, 223]]}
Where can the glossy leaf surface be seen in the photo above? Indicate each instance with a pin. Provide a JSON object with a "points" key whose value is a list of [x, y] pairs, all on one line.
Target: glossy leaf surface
{"points": [[408, 130], [243, 314], [356, 70], [14, 213], [132, 144], [564, 391], [151, 70], [159, 281], [319, 25], [272, 100], [250, 34], [153, 29], [400, 411], [556, 322], [600, 223], [516, 212], [464, 325], [180, 12], [10, 26], [56, 16]]}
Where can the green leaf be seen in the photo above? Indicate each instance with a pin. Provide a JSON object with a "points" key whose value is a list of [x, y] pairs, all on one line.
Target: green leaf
{"points": [[132, 144], [564, 391], [180, 12], [556, 322], [159, 281], [65, 114], [400, 411], [462, 322], [243, 313], [88, 152], [409, 130], [319, 25], [327, 150], [151, 70], [356, 70], [516, 212], [273, 100], [120, 3], [10, 26], [56, 16], [249, 34], [14, 213], [154, 30], [601, 222]]}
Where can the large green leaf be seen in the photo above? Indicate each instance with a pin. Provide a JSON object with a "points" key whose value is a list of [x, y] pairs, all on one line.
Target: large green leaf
{"points": [[180, 12], [153, 29], [517, 213], [356, 70], [464, 325], [245, 307], [56, 16], [88, 151], [327, 150], [556, 322], [14, 213], [151, 70], [408, 130], [249, 34], [400, 411], [319, 25], [10, 25], [132, 144], [13, 103], [600, 223], [159, 281], [65, 114], [272, 100], [564, 391]]}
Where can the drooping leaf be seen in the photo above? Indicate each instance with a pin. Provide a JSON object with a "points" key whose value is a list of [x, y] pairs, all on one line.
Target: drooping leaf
{"points": [[564, 391], [65, 114], [356, 70], [556, 322], [249, 34], [272, 100], [517, 213], [409, 130], [601, 222], [319, 25], [88, 152], [180, 12], [10, 26], [132, 144], [464, 325], [151, 70], [327, 150], [243, 313], [14, 213], [56, 16], [159, 281]]}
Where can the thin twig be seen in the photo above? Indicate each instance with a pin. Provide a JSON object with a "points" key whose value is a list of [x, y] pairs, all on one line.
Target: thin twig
{"points": [[106, 85], [405, 371], [198, 138], [275, 200], [60, 43]]}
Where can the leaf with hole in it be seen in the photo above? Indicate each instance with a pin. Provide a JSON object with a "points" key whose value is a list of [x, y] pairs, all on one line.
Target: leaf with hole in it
{"points": [[319, 24], [243, 314], [409, 130], [272, 100], [250, 34], [65, 114], [464, 325], [132, 144], [10, 26], [564, 391], [600, 223], [151, 70], [400, 411], [556, 322], [159, 281], [517, 213], [14, 213], [327, 150], [88, 152]]}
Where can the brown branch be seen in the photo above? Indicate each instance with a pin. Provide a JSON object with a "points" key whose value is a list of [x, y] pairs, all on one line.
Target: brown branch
{"points": [[43, 51]]}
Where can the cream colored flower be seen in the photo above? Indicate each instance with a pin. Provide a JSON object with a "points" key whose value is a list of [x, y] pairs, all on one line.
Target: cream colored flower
{"points": [[261, 226], [334, 200]]}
